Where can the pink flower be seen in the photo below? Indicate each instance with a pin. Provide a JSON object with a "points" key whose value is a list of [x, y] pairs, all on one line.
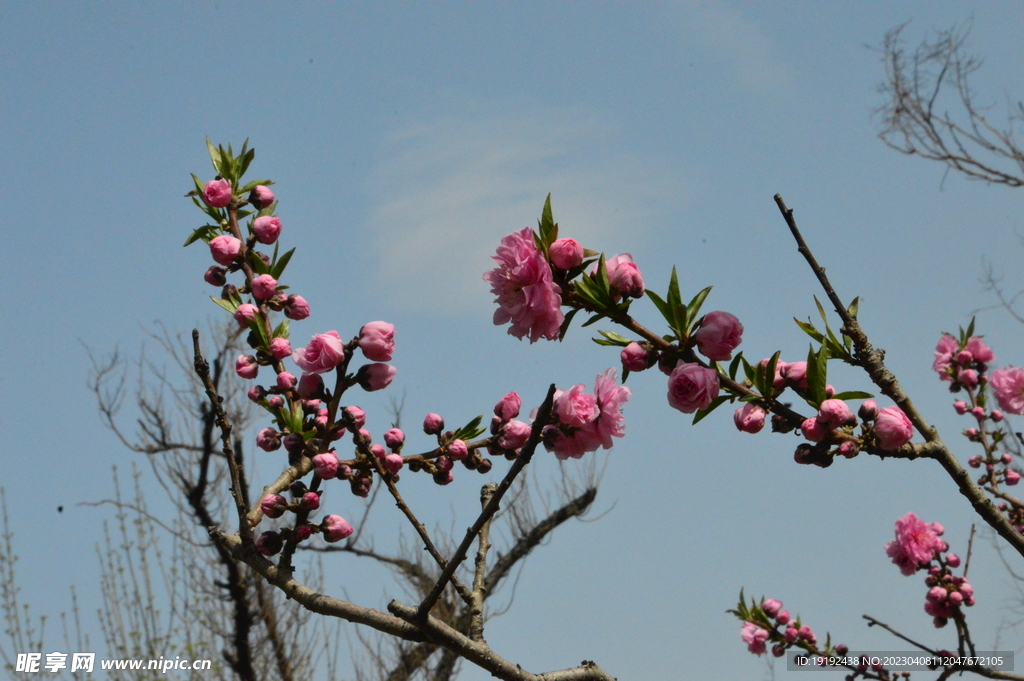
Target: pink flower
{"points": [[749, 418], [634, 357], [944, 352], [326, 465], [566, 253], [215, 276], [280, 348], [892, 428], [609, 421], [394, 438], [834, 413], [224, 249], [814, 430], [393, 463], [575, 408], [755, 638], [335, 528], [375, 376], [246, 366], [719, 334], [310, 501], [771, 607], [357, 415], [981, 352], [323, 353], [796, 375], [246, 312], [514, 435], [458, 450], [286, 380], [968, 378], [263, 287], [268, 440], [1011, 476], [508, 406], [273, 505], [266, 228], [868, 410], [1008, 385], [808, 635], [296, 308], [624, 276], [916, 544], [524, 290], [217, 193], [377, 341], [261, 197], [433, 424], [692, 387]]}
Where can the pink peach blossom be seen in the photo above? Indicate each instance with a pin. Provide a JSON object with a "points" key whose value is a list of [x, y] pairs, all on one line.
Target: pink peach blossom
{"points": [[266, 228], [321, 354], [755, 638], [225, 249], [692, 387], [944, 351], [217, 193], [246, 366], [280, 348], [377, 341], [981, 352], [575, 408], [916, 544], [624, 276], [566, 253], [377, 376], [508, 406], [892, 428], [749, 418], [261, 197], [263, 287], [524, 290], [719, 334], [335, 528], [514, 435], [296, 308], [1008, 385]]}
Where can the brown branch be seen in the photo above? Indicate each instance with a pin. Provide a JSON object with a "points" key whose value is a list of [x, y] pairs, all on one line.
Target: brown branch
{"points": [[476, 627]]}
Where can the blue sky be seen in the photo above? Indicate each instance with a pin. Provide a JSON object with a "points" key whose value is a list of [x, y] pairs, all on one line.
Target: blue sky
{"points": [[406, 139]]}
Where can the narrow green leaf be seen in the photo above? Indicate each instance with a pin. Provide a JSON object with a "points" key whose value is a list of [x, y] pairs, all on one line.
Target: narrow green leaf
{"points": [[214, 156], [693, 309], [547, 222], [809, 329], [715, 404], [673, 299], [615, 338], [593, 319], [206, 232], [734, 365], [970, 329], [257, 263], [680, 324], [854, 307], [821, 310], [852, 395], [603, 284], [470, 430], [279, 265], [769, 374], [249, 186], [817, 373], [565, 324], [247, 157], [229, 305], [256, 326], [748, 369], [200, 185], [662, 306]]}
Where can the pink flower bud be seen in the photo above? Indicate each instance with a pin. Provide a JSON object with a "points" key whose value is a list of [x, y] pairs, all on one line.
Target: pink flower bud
{"points": [[635, 357], [955, 598], [269, 543], [261, 197], [378, 451], [514, 435], [692, 387], [266, 228], [1011, 476], [393, 463], [953, 560], [796, 375], [749, 418], [217, 194], [377, 341], [868, 410], [303, 532], [245, 313], [624, 276], [358, 415], [321, 354], [719, 334], [566, 254], [273, 505], [310, 501], [263, 287], [286, 380], [808, 635], [373, 377], [433, 424], [813, 430], [966, 589], [280, 348], [394, 438], [974, 461], [293, 443], [458, 450], [326, 465], [892, 428], [937, 594], [835, 413], [246, 366], [224, 249], [849, 449], [771, 607], [443, 477], [508, 407], [960, 406], [782, 617], [296, 308], [971, 433], [257, 393], [215, 276], [335, 528], [968, 378], [276, 401], [268, 440], [791, 635], [310, 386], [997, 415]]}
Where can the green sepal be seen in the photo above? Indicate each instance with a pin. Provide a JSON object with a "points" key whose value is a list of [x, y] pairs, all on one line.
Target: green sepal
{"points": [[229, 305], [715, 404], [206, 232], [852, 395], [470, 430], [277, 268], [625, 375]]}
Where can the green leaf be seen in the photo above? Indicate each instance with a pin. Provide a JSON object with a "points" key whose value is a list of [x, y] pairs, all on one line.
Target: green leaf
{"points": [[200, 185], [821, 310], [680, 322], [734, 365], [769, 374], [247, 157], [249, 186], [603, 285], [565, 324], [970, 329], [674, 300], [283, 329], [809, 329], [229, 305], [256, 326], [206, 232], [547, 223], [616, 339], [470, 430], [817, 372], [854, 307], [715, 404], [693, 309], [662, 306], [278, 265], [257, 263], [214, 156], [748, 369], [594, 319], [852, 395]]}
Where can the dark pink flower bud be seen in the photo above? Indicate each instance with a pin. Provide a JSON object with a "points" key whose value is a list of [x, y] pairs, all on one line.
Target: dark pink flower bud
{"points": [[624, 276], [280, 348], [892, 428], [796, 375], [326, 465], [257, 393], [968, 378], [293, 443], [303, 532], [273, 505], [997, 415], [433, 424], [394, 438], [373, 377], [868, 410], [215, 276], [514, 435], [1011, 477], [261, 197], [217, 194], [782, 617], [458, 450], [771, 607], [268, 440], [378, 451], [963, 358], [296, 308], [310, 386], [335, 528], [508, 407], [719, 334], [393, 463], [269, 543], [263, 287], [692, 387], [246, 366], [276, 401], [566, 253], [813, 430], [1006, 458], [377, 341], [443, 477], [364, 436], [749, 418], [224, 249], [286, 380], [246, 312], [358, 415], [266, 228], [778, 650], [960, 406], [635, 357], [835, 413], [310, 501]]}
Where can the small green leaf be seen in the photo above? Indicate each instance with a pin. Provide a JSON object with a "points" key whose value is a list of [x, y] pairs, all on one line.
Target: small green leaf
{"points": [[594, 319], [674, 300], [852, 395], [616, 339], [821, 310], [693, 309], [470, 430], [256, 326], [809, 329], [283, 329], [854, 307], [769, 374], [565, 324], [817, 372], [662, 306], [970, 329], [247, 157], [257, 263], [229, 305], [206, 232], [547, 222], [214, 156], [748, 369], [734, 365], [715, 404], [680, 322], [278, 267]]}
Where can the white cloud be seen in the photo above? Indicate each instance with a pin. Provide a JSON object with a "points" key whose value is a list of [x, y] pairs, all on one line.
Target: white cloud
{"points": [[445, 191]]}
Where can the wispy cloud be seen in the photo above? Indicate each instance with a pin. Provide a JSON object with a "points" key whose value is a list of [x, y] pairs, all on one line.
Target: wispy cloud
{"points": [[446, 190]]}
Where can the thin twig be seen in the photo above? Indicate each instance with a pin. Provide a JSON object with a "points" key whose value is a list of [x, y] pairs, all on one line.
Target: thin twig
{"points": [[476, 626]]}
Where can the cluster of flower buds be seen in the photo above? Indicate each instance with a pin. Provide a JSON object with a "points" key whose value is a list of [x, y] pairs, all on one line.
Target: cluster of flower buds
{"points": [[768, 624], [832, 430], [918, 546], [508, 436]]}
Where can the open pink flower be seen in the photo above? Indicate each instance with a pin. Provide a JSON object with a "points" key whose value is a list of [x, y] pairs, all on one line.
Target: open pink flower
{"points": [[979, 351], [575, 408], [692, 387], [755, 637], [944, 351], [321, 354], [1008, 385], [916, 543], [609, 422], [718, 335], [524, 290]]}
